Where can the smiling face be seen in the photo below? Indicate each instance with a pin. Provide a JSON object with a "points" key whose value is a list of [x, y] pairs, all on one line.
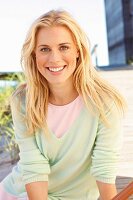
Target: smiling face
{"points": [[56, 54]]}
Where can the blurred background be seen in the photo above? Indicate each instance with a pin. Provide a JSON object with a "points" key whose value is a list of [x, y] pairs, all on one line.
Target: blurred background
{"points": [[109, 27]]}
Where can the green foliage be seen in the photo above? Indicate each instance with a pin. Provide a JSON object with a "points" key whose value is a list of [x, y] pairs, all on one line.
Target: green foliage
{"points": [[130, 61], [7, 139]]}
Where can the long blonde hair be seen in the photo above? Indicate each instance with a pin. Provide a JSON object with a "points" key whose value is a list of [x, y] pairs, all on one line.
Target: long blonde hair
{"points": [[95, 91]]}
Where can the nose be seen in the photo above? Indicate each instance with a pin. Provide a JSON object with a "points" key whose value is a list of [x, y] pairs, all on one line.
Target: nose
{"points": [[55, 56]]}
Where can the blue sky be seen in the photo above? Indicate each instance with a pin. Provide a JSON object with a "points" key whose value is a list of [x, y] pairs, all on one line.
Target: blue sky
{"points": [[17, 15]]}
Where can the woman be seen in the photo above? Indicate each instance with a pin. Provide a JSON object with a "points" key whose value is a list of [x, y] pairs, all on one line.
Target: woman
{"points": [[67, 119]]}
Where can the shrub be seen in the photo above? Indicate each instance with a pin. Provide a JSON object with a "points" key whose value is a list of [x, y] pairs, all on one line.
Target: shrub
{"points": [[7, 139]]}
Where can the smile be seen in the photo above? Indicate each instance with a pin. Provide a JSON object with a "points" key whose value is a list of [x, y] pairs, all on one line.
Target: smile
{"points": [[56, 69]]}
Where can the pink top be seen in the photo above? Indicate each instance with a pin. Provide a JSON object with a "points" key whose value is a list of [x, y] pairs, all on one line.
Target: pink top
{"points": [[60, 118]]}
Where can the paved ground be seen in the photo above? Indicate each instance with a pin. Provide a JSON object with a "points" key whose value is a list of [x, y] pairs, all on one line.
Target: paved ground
{"points": [[123, 80]]}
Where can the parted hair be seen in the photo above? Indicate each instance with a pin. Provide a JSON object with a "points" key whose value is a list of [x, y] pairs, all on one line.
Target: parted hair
{"points": [[96, 92]]}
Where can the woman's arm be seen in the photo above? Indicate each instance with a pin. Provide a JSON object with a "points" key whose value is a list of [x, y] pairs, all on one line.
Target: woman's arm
{"points": [[107, 191], [33, 164], [106, 153], [37, 190]]}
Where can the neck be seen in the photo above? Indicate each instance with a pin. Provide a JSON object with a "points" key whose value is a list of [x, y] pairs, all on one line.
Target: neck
{"points": [[62, 94]]}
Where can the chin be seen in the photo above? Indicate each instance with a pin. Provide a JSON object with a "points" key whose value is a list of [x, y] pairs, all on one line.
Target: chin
{"points": [[56, 82]]}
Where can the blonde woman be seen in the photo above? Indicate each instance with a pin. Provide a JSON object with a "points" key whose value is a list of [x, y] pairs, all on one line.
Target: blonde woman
{"points": [[67, 119]]}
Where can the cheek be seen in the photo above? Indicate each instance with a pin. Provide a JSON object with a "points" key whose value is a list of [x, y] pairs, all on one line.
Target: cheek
{"points": [[73, 60], [39, 66], [40, 63]]}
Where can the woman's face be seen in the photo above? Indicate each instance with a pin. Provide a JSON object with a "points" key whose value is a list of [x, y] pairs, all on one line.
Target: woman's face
{"points": [[56, 54]]}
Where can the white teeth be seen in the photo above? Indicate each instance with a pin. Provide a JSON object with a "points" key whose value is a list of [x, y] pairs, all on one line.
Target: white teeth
{"points": [[55, 69]]}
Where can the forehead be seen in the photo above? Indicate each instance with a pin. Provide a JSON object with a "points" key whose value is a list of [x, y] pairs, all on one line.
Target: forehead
{"points": [[57, 34]]}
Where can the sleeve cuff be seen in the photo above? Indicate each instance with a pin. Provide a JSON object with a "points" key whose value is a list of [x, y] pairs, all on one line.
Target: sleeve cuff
{"points": [[106, 180], [36, 179]]}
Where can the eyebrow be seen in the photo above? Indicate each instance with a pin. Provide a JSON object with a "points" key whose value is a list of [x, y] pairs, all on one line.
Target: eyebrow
{"points": [[64, 43]]}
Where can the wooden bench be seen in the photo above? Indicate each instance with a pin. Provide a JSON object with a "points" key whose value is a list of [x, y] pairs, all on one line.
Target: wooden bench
{"points": [[125, 193]]}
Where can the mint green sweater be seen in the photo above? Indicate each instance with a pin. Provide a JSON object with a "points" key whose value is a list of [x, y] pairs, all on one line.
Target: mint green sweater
{"points": [[87, 152]]}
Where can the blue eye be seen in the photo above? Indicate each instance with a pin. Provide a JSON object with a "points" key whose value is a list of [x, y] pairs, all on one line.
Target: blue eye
{"points": [[45, 49], [64, 48]]}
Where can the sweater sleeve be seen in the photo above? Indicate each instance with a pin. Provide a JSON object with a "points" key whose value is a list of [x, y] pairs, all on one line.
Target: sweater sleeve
{"points": [[107, 147], [34, 165]]}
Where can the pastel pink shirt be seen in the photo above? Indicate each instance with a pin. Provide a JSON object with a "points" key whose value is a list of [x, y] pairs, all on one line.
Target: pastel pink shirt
{"points": [[60, 118]]}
